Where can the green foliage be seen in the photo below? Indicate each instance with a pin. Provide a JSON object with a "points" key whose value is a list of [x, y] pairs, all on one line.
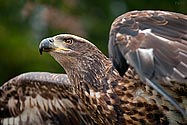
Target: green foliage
{"points": [[23, 24]]}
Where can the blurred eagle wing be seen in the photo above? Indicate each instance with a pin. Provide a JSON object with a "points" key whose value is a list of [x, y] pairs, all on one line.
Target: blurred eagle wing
{"points": [[155, 44], [40, 98]]}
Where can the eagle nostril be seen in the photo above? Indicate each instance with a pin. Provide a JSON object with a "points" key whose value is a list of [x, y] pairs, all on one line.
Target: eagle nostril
{"points": [[51, 40]]}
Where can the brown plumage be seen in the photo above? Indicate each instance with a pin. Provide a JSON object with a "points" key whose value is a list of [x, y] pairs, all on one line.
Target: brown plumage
{"points": [[155, 44], [111, 98], [40, 98], [93, 92]]}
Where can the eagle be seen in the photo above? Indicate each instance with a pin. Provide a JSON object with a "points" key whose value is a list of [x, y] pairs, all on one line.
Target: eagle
{"points": [[144, 80]]}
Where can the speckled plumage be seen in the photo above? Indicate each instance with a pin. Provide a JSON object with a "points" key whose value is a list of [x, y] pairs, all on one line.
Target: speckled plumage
{"points": [[155, 44], [41, 98], [93, 92]]}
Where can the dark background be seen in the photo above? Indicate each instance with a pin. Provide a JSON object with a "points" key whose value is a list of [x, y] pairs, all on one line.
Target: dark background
{"points": [[23, 24]]}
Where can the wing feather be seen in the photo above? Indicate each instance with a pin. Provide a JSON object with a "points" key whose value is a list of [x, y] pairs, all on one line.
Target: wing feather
{"points": [[41, 98], [164, 32], [135, 33]]}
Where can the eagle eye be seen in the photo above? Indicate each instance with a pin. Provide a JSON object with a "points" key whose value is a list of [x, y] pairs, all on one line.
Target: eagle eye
{"points": [[68, 41]]}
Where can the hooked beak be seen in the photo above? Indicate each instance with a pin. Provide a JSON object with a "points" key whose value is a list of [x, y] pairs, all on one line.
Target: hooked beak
{"points": [[46, 45], [49, 45]]}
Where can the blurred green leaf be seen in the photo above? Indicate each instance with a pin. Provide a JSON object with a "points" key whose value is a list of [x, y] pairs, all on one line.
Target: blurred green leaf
{"points": [[24, 23]]}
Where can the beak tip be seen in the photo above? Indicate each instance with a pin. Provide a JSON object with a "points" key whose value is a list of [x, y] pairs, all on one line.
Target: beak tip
{"points": [[45, 45], [40, 50]]}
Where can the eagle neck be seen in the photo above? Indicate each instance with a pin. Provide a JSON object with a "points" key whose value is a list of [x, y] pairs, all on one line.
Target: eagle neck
{"points": [[90, 72]]}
